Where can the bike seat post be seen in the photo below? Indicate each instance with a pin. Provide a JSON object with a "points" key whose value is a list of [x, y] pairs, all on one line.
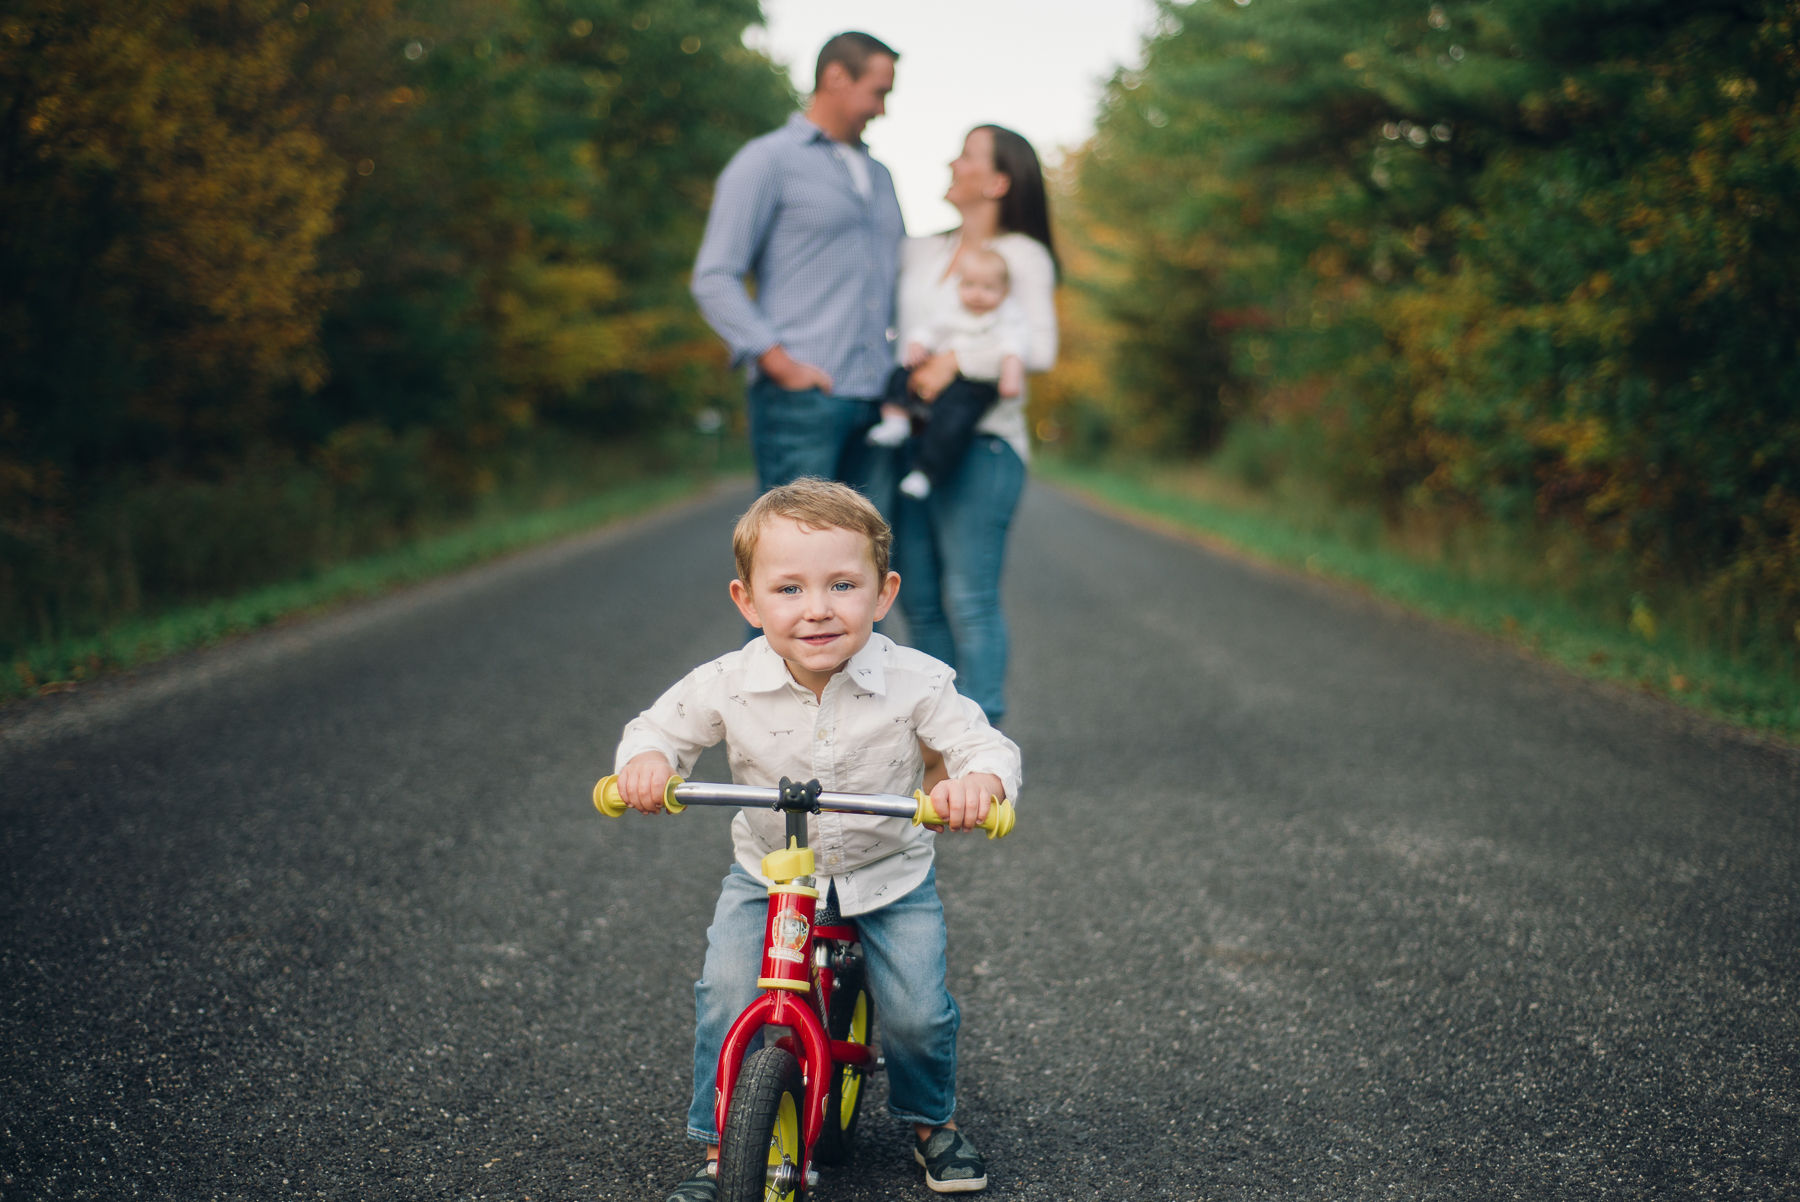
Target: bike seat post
{"points": [[797, 801]]}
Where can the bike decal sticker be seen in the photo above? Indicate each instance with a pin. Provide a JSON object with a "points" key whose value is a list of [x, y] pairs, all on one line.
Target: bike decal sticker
{"points": [[789, 937]]}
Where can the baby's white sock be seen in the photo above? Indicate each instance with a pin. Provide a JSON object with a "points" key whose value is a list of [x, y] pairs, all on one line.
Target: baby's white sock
{"points": [[891, 431]]}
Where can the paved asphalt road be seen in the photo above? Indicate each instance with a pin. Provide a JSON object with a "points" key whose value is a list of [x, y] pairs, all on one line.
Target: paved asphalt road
{"points": [[1309, 899]]}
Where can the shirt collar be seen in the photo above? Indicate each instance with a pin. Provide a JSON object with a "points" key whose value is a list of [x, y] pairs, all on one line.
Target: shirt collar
{"points": [[766, 671], [802, 125], [867, 669]]}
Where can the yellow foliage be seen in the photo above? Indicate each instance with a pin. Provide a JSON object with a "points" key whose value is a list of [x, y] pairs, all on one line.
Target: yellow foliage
{"points": [[1768, 559], [1087, 336], [555, 333], [228, 190]]}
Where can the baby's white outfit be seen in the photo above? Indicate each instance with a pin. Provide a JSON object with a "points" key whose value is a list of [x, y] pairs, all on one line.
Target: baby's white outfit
{"points": [[982, 341]]}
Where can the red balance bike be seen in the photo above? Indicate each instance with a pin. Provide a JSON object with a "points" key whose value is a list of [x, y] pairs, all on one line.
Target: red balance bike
{"points": [[796, 1100]]}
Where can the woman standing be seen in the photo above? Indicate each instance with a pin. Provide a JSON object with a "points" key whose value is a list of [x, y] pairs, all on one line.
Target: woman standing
{"points": [[951, 546]]}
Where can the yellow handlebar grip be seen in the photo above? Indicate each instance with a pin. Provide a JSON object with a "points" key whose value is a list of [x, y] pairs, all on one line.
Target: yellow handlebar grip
{"points": [[1001, 817], [608, 801]]}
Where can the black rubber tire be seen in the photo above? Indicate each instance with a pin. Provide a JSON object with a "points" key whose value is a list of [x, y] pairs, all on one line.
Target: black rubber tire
{"points": [[837, 1138], [771, 1077]]}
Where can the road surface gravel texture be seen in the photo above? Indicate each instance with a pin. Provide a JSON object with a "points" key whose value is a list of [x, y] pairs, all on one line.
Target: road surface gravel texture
{"points": [[1309, 899]]}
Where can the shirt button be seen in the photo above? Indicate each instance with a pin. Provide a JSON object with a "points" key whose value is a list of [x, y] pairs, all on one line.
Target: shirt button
{"points": [[824, 734]]}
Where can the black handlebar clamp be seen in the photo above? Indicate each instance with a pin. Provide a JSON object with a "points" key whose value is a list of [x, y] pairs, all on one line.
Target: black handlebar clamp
{"points": [[797, 801], [798, 797]]}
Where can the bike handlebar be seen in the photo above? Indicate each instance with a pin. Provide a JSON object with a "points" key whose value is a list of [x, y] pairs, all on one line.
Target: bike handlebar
{"points": [[678, 795]]}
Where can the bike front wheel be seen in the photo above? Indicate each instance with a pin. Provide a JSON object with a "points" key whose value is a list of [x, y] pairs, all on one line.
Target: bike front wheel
{"points": [[760, 1154]]}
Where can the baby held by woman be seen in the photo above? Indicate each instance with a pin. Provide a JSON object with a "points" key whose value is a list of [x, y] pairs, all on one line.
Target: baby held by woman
{"points": [[989, 336]]}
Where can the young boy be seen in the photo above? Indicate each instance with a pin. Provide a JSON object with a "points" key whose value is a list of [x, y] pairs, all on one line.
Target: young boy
{"points": [[990, 338], [821, 695]]}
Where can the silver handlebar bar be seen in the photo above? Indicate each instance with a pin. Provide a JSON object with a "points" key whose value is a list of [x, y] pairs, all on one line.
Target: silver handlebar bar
{"points": [[678, 795]]}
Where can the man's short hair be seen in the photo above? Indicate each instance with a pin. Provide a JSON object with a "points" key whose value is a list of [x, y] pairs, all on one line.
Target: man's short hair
{"points": [[817, 505], [852, 51]]}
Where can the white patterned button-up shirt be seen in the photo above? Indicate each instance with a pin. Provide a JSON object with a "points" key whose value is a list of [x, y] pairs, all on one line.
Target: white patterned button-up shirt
{"points": [[862, 736]]}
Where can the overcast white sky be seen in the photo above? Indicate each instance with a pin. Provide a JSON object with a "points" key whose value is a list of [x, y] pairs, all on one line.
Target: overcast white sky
{"points": [[1031, 65]]}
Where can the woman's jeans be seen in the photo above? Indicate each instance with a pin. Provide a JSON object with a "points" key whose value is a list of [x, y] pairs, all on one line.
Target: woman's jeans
{"points": [[916, 1018], [949, 550]]}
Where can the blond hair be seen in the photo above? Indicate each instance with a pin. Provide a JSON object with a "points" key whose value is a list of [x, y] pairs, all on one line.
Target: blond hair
{"points": [[817, 505]]}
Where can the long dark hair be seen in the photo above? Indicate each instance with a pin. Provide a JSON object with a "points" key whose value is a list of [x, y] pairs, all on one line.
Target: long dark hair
{"points": [[1025, 209]]}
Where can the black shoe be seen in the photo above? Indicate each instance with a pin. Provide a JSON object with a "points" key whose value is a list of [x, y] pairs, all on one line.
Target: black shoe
{"points": [[952, 1165], [703, 1186]]}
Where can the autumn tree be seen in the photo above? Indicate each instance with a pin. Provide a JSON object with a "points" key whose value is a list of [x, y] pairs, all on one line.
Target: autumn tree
{"points": [[1526, 261], [163, 201], [304, 272]]}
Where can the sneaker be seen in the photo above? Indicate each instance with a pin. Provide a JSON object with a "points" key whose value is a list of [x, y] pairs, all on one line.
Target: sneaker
{"points": [[703, 1186], [952, 1165], [916, 485], [891, 431]]}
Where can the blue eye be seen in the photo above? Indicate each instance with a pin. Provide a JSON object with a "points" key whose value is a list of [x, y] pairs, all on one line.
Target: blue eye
{"points": [[842, 586], [789, 590]]}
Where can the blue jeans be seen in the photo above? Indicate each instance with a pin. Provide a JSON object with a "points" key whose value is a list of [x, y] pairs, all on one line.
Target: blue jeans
{"points": [[949, 550], [813, 433], [916, 1018]]}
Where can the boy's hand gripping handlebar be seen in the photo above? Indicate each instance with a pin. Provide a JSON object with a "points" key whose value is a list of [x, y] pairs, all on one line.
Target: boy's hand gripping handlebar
{"points": [[678, 795]]}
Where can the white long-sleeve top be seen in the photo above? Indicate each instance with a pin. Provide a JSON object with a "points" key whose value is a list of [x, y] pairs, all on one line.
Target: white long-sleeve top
{"points": [[861, 736], [982, 341], [924, 287]]}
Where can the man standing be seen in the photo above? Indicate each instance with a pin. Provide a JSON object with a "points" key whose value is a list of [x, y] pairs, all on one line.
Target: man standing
{"points": [[814, 220]]}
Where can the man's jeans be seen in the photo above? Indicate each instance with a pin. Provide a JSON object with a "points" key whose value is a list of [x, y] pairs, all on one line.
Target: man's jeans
{"points": [[813, 433], [949, 550], [916, 1018]]}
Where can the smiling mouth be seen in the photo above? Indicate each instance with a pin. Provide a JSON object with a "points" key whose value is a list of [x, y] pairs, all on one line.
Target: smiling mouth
{"points": [[819, 640]]}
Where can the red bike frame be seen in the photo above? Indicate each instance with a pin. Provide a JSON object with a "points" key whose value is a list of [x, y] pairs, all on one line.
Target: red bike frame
{"points": [[819, 1055]]}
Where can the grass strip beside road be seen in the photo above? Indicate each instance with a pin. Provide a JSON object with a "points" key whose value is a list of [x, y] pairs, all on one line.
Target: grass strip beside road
{"points": [[1543, 624], [62, 666]]}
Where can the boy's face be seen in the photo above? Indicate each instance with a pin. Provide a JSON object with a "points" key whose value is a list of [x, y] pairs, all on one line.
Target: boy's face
{"points": [[815, 595], [981, 290]]}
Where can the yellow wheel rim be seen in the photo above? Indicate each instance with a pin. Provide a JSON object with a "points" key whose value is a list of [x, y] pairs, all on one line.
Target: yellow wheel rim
{"points": [[850, 1085], [784, 1143]]}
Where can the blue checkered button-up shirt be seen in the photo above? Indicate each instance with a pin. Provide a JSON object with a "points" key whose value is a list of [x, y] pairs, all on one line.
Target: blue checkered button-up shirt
{"points": [[825, 259]]}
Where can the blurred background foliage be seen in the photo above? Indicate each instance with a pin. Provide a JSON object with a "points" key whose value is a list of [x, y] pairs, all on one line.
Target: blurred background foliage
{"points": [[1529, 268], [1506, 281], [287, 283]]}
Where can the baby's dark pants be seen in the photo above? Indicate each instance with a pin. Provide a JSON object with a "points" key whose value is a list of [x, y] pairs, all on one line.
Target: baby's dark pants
{"points": [[950, 421]]}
